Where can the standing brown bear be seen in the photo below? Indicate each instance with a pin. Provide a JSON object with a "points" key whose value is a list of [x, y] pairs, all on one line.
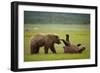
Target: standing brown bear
{"points": [[47, 41]]}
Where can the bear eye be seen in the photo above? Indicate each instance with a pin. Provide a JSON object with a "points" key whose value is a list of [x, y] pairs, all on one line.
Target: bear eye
{"points": [[56, 36]]}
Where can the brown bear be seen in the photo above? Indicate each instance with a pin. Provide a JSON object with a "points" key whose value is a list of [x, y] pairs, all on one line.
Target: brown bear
{"points": [[71, 48], [47, 41]]}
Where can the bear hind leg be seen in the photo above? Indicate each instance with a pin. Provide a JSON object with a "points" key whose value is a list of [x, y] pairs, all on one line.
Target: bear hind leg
{"points": [[34, 50], [37, 50], [46, 50]]}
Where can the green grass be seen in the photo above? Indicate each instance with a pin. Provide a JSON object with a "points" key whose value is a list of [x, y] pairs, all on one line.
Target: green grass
{"points": [[78, 34]]}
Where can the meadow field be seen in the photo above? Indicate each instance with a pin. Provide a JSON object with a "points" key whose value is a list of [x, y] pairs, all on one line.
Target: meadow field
{"points": [[79, 33]]}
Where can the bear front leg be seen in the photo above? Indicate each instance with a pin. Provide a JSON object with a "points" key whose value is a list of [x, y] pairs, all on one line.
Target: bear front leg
{"points": [[53, 49], [81, 49]]}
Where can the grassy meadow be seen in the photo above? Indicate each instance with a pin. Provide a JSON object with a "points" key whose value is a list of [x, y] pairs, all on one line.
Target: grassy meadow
{"points": [[79, 33]]}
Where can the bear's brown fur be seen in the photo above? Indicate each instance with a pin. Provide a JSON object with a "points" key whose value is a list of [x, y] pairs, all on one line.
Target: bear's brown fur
{"points": [[47, 41], [71, 48]]}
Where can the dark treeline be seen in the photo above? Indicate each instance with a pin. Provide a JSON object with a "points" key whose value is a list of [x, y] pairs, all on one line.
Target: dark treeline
{"points": [[34, 17]]}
